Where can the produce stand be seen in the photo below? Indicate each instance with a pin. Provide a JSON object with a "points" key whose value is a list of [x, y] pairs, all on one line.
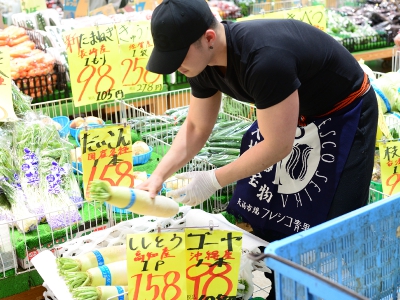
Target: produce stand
{"points": [[23, 280]]}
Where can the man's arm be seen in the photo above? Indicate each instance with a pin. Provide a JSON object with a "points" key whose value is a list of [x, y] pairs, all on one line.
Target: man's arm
{"points": [[277, 125], [191, 137]]}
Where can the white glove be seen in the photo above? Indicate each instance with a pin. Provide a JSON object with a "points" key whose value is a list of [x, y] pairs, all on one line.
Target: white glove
{"points": [[202, 185]]}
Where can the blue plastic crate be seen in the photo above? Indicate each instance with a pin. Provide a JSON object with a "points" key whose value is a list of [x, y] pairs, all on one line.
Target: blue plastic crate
{"points": [[354, 256], [142, 158], [64, 122]]}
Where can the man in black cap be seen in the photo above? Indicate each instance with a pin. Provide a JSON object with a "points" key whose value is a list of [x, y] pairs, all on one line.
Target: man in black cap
{"points": [[309, 156]]}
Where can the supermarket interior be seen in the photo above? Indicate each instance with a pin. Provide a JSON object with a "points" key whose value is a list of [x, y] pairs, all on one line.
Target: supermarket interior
{"points": [[77, 221]]}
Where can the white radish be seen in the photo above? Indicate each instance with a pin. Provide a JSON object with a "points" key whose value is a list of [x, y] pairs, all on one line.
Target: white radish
{"points": [[95, 258], [102, 292], [115, 273], [134, 200]]}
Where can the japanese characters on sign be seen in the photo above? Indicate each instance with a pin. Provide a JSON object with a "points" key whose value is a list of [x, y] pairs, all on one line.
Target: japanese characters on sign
{"points": [[107, 155], [31, 6], [136, 45], [212, 264], [6, 104], [155, 267], [313, 15], [389, 153], [94, 71]]}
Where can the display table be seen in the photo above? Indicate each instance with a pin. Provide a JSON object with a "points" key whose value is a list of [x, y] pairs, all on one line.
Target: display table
{"points": [[374, 54]]}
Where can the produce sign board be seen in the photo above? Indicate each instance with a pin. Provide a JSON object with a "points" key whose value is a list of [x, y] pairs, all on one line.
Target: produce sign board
{"points": [[155, 267], [31, 6], [6, 104], [94, 71], [389, 153], [211, 269], [107, 155], [313, 15], [136, 45]]}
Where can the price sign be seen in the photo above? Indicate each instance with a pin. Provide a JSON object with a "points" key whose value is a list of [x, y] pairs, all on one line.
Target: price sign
{"points": [[31, 6], [212, 263], [313, 15], [389, 154], [6, 104], [155, 267], [107, 155], [93, 57], [136, 44]]}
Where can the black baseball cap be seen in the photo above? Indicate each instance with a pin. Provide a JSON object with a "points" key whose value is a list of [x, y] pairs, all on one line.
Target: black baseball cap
{"points": [[175, 25]]}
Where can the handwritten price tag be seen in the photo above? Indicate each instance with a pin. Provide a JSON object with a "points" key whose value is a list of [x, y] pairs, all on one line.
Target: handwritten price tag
{"points": [[313, 15], [390, 167], [136, 44], [31, 6], [94, 64], [155, 268], [6, 104], [107, 155], [212, 263]]}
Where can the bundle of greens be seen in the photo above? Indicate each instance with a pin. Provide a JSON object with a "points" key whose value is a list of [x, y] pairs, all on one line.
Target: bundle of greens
{"points": [[60, 210], [26, 144], [39, 151], [13, 201], [21, 102]]}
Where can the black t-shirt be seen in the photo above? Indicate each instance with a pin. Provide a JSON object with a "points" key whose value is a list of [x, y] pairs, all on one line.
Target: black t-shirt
{"points": [[269, 59]]}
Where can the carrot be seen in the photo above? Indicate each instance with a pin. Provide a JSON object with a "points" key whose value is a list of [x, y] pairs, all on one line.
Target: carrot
{"points": [[115, 273], [135, 200], [102, 292], [18, 40], [91, 259]]}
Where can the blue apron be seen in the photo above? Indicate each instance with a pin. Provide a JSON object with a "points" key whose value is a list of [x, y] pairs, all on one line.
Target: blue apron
{"points": [[296, 193]]}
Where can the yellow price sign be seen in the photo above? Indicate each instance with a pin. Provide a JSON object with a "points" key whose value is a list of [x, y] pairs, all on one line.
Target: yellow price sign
{"points": [[155, 268], [389, 153], [313, 15], [31, 6], [212, 263], [6, 104], [136, 44], [107, 155], [94, 64]]}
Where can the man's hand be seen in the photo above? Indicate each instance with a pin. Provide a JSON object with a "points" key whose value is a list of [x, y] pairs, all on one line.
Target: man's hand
{"points": [[203, 184]]}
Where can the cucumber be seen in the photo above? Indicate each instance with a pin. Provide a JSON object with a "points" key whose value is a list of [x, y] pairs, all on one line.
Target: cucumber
{"points": [[222, 150], [231, 144], [29, 24], [40, 21]]}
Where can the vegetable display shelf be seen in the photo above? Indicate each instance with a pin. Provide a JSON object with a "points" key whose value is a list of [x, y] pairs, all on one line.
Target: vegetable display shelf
{"points": [[95, 217]]}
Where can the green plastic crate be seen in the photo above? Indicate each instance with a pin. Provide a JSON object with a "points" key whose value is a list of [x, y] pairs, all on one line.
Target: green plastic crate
{"points": [[375, 192]]}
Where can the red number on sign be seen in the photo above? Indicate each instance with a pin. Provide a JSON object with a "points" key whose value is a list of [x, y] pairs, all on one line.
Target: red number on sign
{"points": [[86, 81], [156, 294], [396, 180], [134, 69], [126, 173], [105, 75], [209, 275]]}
